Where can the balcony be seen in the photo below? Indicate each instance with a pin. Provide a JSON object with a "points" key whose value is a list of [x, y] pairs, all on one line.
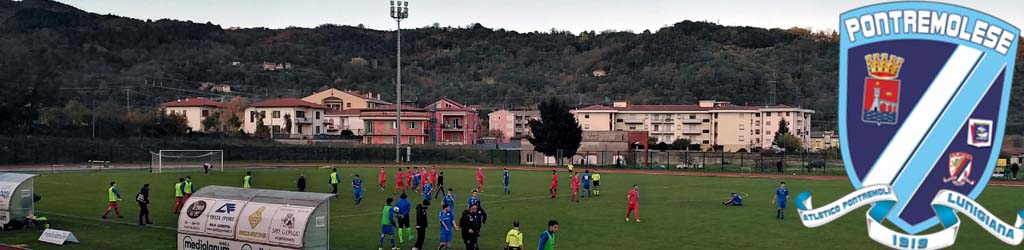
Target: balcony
{"points": [[522, 121], [691, 121], [662, 132], [303, 120], [633, 121], [669, 120], [691, 131], [451, 127]]}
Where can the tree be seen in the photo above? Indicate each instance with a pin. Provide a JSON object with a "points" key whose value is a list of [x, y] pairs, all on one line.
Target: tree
{"points": [[211, 121], [782, 130], [234, 122], [681, 144], [557, 130], [287, 124], [262, 131], [231, 110], [790, 143], [168, 125]]}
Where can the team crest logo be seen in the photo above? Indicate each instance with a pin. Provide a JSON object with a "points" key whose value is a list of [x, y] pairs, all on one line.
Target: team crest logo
{"points": [[256, 217], [960, 168], [923, 93], [882, 89], [980, 133]]}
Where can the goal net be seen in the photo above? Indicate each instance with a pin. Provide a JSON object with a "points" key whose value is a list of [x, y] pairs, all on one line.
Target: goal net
{"points": [[187, 160]]}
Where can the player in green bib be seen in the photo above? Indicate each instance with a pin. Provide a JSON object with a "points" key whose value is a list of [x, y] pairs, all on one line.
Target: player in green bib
{"points": [[334, 182], [387, 225], [113, 196], [547, 238], [188, 187], [247, 180]]}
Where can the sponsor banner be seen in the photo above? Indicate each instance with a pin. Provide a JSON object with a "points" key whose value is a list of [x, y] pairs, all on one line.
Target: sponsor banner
{"points": [[289, 225], [254, 222], [193, 215], [195, 242], [223, 216], [6, 193]]}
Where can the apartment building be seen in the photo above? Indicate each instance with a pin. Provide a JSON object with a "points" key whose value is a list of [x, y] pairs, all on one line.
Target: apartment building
{"points": [[306, 118], [512, 124], [452, 123], [380, 125], [821, 140], [711, 124], [345, 99]]}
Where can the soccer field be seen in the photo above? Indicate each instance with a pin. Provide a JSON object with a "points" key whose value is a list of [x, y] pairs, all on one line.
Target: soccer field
{"points": [[677, 212]]}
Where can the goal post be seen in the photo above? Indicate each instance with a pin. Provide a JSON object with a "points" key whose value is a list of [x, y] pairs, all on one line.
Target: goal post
{"points": [[186, 160]]}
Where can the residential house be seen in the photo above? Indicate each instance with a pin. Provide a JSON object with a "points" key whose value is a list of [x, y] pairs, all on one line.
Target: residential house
{"points": [[193, 109], [338, 121], [306, 118], [821, 140], [345, 99], [512, 124], [711, 124], [380, 126], [453, 123]]}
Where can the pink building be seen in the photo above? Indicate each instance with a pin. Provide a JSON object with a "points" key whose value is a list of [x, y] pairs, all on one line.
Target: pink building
{"points": [[380, 127], [512, 124], [453, 123]]}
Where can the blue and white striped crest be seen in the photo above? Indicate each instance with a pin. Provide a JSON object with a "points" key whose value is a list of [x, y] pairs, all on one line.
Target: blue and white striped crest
{"points": [[922, 84]]}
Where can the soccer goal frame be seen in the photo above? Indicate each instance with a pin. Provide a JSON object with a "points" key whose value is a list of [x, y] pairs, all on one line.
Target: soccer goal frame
{"points": [[186, 160]]}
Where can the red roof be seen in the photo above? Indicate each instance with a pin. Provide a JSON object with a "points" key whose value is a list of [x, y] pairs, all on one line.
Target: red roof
{"points": [[456, 106], [677, 108], [286, 102], [596, 107], [193, 102]]}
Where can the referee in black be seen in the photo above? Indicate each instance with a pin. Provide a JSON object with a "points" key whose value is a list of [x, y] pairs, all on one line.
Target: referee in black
{"points": [[421, 223], [440, 185]]}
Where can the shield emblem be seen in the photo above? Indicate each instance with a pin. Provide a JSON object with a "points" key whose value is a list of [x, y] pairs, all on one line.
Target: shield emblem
{"points": [[907, 99]]}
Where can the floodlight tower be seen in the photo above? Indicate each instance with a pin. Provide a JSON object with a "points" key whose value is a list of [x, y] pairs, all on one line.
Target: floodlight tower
{"points": [[399, 11]]}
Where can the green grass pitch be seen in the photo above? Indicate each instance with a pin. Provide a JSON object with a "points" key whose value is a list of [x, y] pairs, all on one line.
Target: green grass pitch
{"points": [[677, 212]]}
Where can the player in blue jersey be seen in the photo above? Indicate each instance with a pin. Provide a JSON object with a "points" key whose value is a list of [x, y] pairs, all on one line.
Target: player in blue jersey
{"points": [[734, 200], [474, 199], [404, 226], [781, 195], [449, 198], [427, 187], [447, 219], [357, 190], [586, 183], [506, 181]]}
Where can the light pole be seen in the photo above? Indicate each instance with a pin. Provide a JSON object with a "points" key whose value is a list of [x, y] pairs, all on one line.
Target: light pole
{"points": [[399, 11]]}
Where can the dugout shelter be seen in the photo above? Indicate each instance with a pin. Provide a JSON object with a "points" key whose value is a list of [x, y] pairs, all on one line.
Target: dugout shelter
{"points": [[17, 193]]}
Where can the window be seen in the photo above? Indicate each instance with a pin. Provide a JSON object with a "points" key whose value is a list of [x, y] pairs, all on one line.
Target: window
{"points": [[394, 140], [369, 126], [657, 127], [456, 122], [706, 131], [455, 137], [317, 115], [618, 120], [300, 114], [411, 125], [768, 123], [586, 126], [252, 116], [741, 126], [275, 114], [741, 138], [757, 131], [757, 123], [743, 115], [632, 127], [693, 117], [586, 116], [276, 129], [205, 113], [317, 129], [767, 132], [348, 105], [184, 113], [787, 114], [412, 140], [768, 114], [707, 120], [705, 142], [394, 125], [757, 114], [529, 158], [300, 129]]}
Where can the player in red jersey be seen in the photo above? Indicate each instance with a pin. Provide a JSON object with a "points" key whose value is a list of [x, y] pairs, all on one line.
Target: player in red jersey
{"points": [[433, 175], [399, 181], [554, 184], [382, 178], [634, 203], [408, 178], [575, 183], [480, 179]]}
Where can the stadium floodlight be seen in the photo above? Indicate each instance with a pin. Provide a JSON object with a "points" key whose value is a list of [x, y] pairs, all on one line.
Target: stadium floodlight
{"points": [[186, 160], [399, 11]]}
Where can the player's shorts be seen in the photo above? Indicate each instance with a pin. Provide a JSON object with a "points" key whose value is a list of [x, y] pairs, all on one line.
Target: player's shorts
{"points": [[633, 206], [415, 183], [597, 183], [403, 222], [112, 204], [446, 236], [357, 192], [586, 186], [387, 229], [781, 204], [553, 186]]}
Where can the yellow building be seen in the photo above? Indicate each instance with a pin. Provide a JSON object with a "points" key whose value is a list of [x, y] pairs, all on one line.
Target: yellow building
{"points": [[194, 110], [710, 124], [823, 140], [343, 100]]}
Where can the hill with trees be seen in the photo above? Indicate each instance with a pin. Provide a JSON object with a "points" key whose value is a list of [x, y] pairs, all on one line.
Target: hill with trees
{"points": [[56, 57]]}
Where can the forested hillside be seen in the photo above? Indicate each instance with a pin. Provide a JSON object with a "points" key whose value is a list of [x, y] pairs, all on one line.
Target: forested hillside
{"points": [[52, 54]]}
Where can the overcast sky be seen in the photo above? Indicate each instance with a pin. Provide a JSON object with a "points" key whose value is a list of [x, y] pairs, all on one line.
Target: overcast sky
{"points": [[519, 15]]}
